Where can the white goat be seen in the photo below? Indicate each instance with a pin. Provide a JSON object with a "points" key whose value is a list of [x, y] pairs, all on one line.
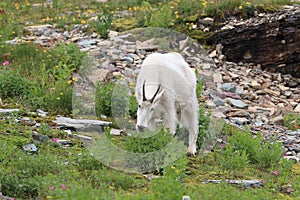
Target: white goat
{"points": [[166, 88]]}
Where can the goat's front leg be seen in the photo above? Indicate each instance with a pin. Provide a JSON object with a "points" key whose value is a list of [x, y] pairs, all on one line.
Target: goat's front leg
{"points": [[170, 118]]}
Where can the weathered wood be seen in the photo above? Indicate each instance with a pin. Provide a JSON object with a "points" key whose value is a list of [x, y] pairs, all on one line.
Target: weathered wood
{"points": [[272, 41]]}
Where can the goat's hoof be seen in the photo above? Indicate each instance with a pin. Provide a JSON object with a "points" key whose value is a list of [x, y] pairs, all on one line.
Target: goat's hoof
{"points": [[191, 153]]}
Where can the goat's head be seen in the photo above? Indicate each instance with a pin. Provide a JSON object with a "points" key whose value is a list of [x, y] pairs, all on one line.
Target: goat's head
{"points": [[146, 108]]}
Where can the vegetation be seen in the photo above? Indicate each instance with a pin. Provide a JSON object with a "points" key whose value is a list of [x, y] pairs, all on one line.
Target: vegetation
{"points": [[33, 76]]}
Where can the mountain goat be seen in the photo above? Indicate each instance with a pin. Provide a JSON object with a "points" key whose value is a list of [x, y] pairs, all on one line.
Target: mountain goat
{"points": [[166, 89]]}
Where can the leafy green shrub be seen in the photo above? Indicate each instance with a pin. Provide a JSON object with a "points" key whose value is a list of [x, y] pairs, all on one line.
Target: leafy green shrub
{"points": [[13, 84], [18, 187], [259, 151], [103, 96], [104, 22], [161, 18], [148, 144], [112, 99], [70, 54], [233, 160]]}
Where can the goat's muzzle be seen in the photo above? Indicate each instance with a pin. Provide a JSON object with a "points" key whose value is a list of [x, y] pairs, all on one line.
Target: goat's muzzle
{"points": [[140, 128]]}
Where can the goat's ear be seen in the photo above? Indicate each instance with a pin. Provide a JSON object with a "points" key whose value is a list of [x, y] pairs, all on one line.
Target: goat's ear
{"points": [[158, 97]]}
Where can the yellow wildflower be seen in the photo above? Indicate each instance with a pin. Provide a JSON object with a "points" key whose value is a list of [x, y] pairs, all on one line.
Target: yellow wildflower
{"points": [[248, 3], [48, 197], [69, 82], [58, 98], [74, 79], [240, 7], [173, 167]]}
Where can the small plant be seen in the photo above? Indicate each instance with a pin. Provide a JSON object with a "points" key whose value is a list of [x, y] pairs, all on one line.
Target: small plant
{"points": [[103, 98], [161, 18], [292, 121], [231, 159], [170, 185], [104, 22], [13, 84], [112, 100]]}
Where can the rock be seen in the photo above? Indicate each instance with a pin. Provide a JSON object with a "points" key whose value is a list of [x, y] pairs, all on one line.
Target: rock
{"points": [[213, 54], [236, 103], [82, 125], [244, 183], [102, 75], [292, 158], [41, 113], [229, 94], [217, 77], [228, 87], [40, 137], [255, 41], [146, 45], [272, 92], [8, 111], [83, 137], [255, 84], [210, 104], [116, 132], [65, 143], [240, 120], [297, 108], [283, 88], [30, 148], [277, 120], [207, 21], [113, 34], [218, 115]]}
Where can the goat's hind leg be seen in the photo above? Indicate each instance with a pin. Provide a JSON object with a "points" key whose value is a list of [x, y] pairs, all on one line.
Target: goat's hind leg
{"points": [[189, 119]]}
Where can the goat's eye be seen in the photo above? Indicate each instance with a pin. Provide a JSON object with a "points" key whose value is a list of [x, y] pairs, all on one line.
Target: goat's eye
{"points": [[139, 106]]}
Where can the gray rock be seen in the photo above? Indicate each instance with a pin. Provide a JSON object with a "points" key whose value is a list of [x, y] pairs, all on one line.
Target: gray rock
{"points": [[236, 103], [87, 43], [244, 183], [228, 87], [116, 132], [83, 125], [40, 137], [8, 111], [218, 115], [30, 148], [240, 120]]}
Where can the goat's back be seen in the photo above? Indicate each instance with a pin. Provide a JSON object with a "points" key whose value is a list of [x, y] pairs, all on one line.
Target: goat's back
{"points": [[170, 70]]}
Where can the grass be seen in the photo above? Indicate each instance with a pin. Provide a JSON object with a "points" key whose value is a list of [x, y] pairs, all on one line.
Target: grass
{"points": [[32, 76], [67, 173]]}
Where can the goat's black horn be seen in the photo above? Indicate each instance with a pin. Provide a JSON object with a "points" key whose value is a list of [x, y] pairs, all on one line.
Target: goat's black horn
{"points": [[144, 95], [155, 94]]}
